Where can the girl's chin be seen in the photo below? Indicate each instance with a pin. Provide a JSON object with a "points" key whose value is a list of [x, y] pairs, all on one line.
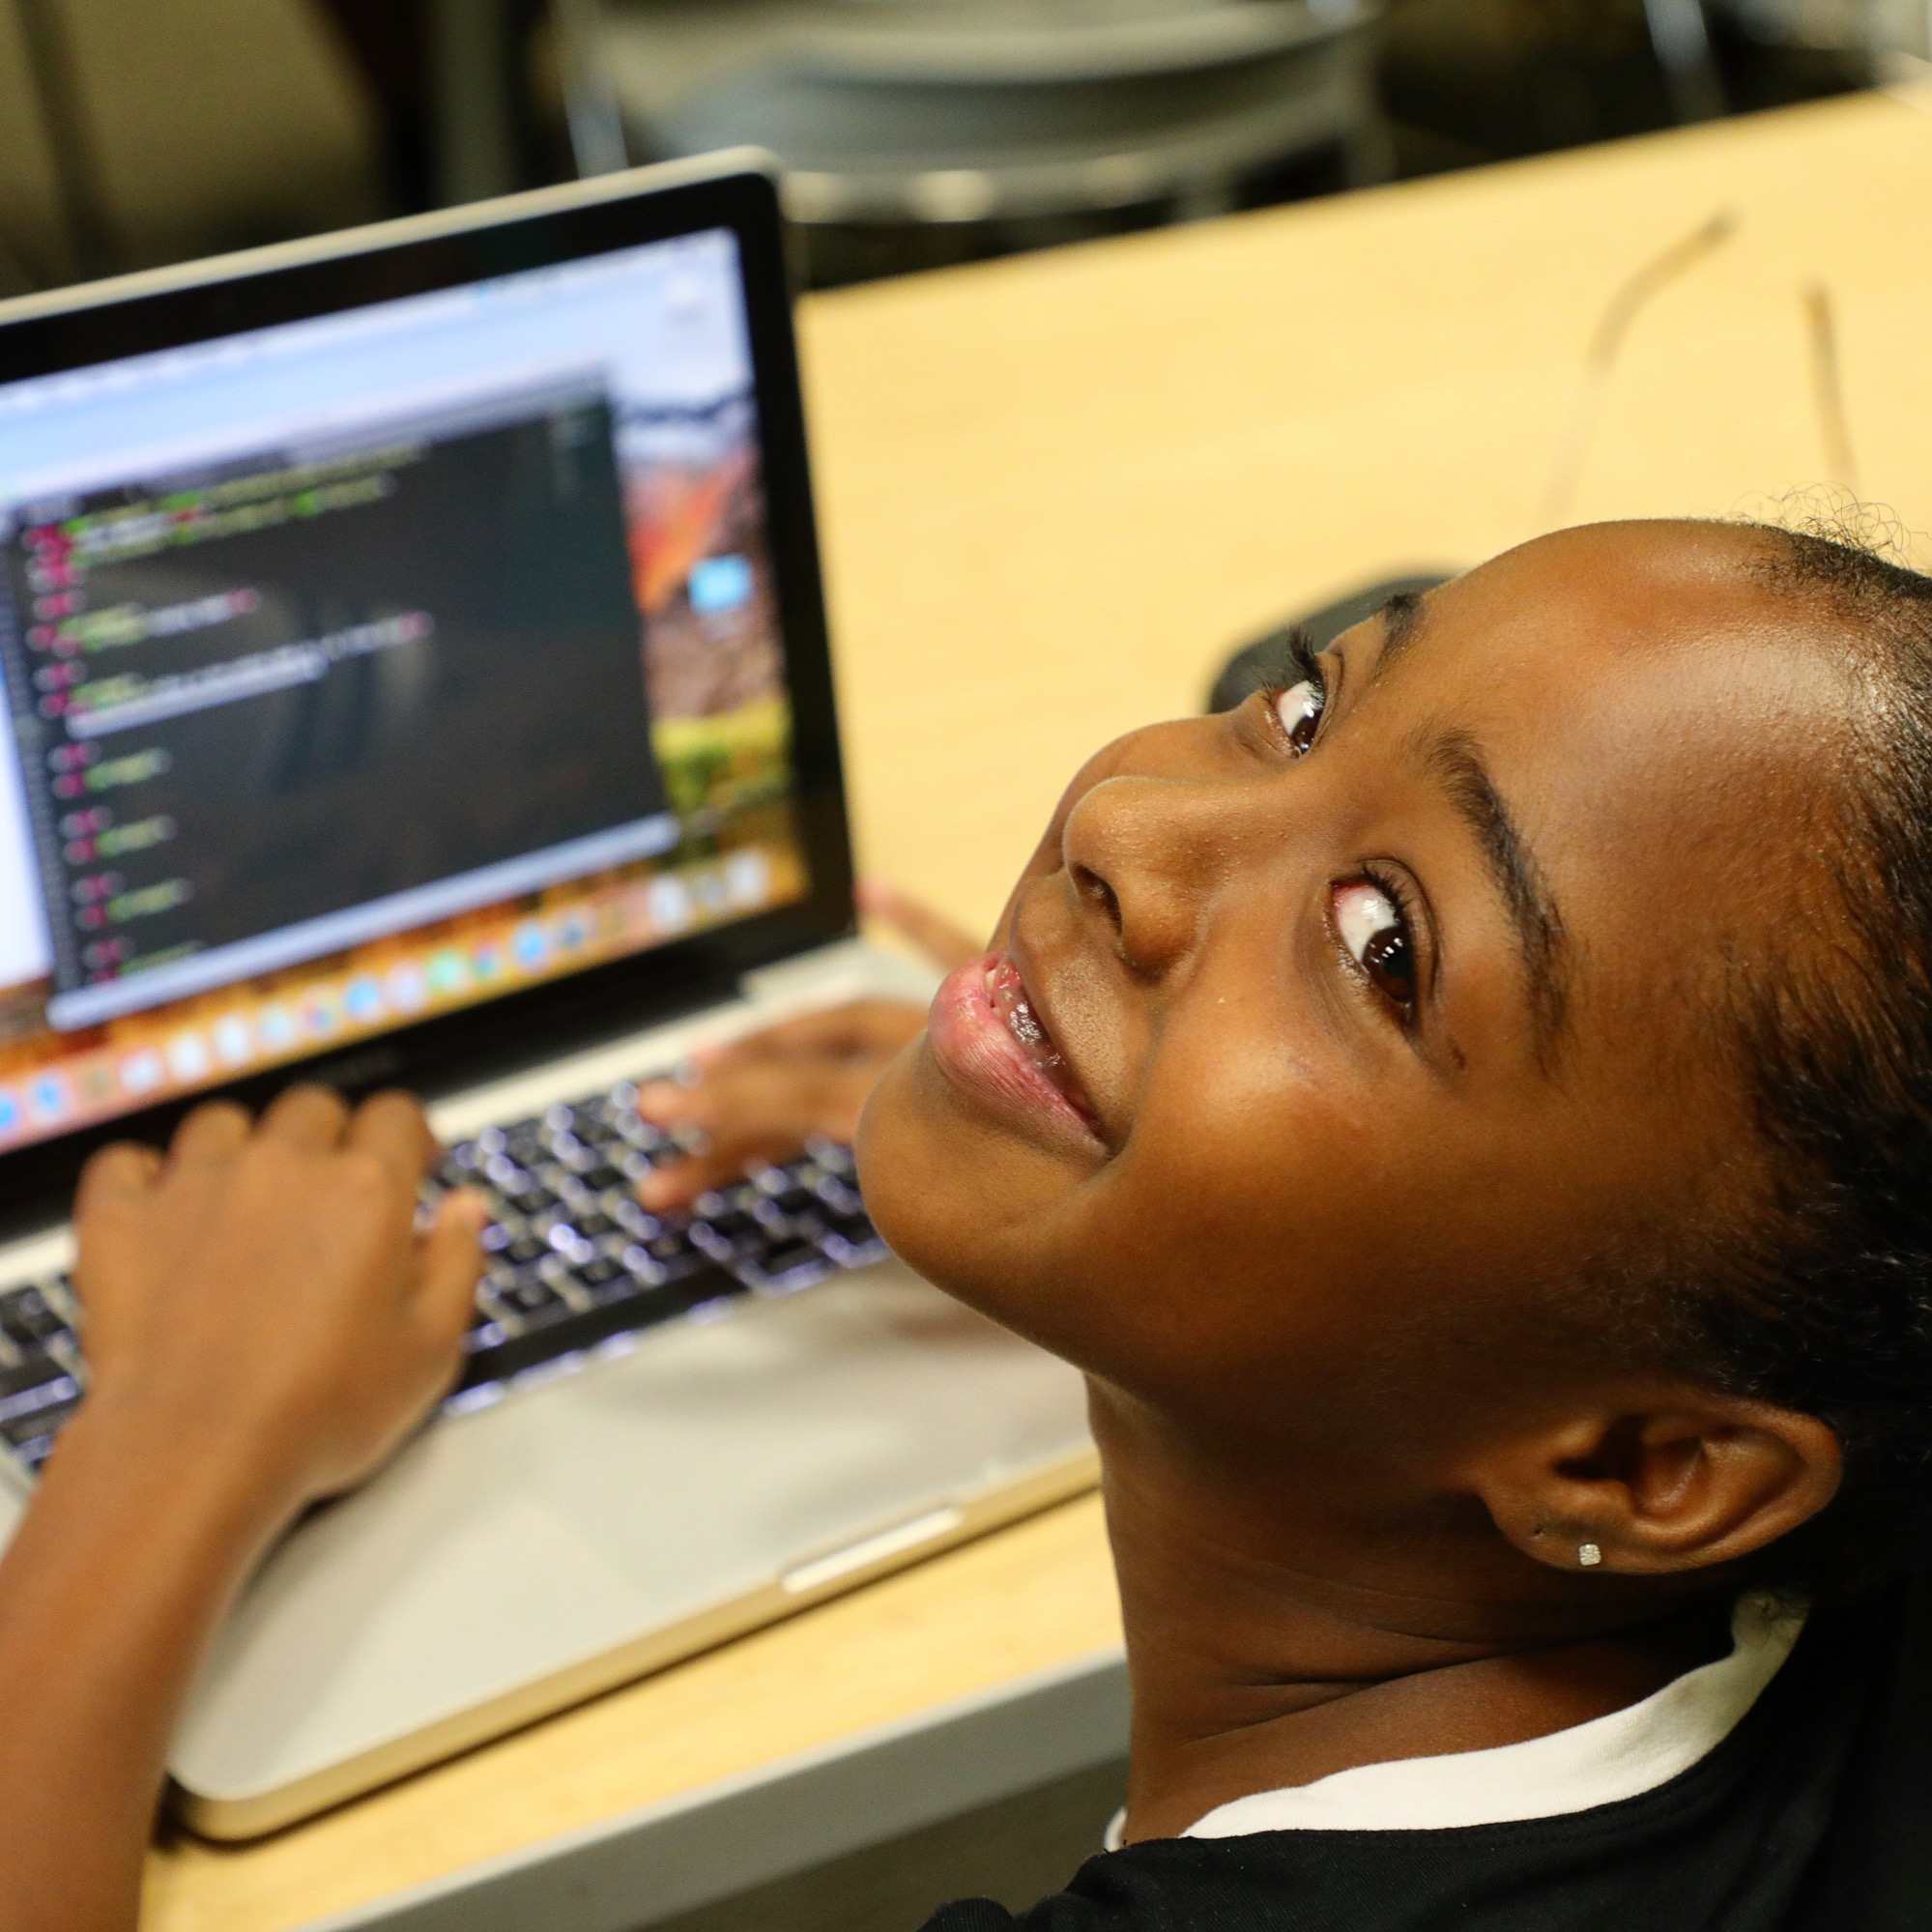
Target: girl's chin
{"points": [[953, 1197]]}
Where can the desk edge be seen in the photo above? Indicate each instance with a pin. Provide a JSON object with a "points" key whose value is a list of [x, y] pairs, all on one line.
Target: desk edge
{"points": [[688, 1851]]}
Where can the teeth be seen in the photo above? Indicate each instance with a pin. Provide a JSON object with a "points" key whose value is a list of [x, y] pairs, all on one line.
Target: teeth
{"points": [[1007, 989], [1008, 993], [1029, 1033]]}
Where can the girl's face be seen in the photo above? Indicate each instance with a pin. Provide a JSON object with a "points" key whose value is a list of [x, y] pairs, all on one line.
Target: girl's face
{"points": [[1322, 1042]]}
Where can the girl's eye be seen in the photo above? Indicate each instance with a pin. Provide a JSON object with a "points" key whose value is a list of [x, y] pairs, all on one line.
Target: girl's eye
{"points": [[1376, 934], [1297, 710]]}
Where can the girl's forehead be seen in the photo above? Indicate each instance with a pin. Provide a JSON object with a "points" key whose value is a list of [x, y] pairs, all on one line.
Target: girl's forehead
{"points": [[1657, 653], [1623, 587]]}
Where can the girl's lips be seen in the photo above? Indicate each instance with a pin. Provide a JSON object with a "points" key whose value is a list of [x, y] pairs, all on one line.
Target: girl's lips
{"points": [[988, 1039]]}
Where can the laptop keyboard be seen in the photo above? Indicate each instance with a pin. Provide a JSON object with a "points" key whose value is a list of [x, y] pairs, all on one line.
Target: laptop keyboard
{"points": [[574, 1269]]}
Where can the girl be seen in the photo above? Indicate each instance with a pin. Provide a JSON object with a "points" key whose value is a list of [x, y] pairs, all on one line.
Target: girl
{"points": [[1466, 1112]]}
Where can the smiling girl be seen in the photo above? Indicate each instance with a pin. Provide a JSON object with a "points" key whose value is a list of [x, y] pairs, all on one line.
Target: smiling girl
{"points": [[1466, 1112]]}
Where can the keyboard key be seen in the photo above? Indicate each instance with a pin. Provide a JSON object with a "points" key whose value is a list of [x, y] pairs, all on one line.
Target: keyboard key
{"points": [[503, 1173], [667, 1257], [566, 1241], [727, 1223], [529, 1297], [626, 1306], [33, 1440], [600, 1275], [32, 1390], [792, 1263], [851, 1240], [788, 1198], [632, 1218], [27, 1319], [837, 1194]]}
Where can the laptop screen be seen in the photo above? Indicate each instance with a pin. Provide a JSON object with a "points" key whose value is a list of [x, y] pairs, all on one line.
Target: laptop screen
{"points": [[367, 666]]}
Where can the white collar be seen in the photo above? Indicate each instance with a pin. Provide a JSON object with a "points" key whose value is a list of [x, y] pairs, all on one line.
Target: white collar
{"points": [[1629, 1751]]}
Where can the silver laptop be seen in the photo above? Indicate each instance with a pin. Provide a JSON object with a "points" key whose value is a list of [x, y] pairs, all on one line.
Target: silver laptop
{"points": [[416, 672]]}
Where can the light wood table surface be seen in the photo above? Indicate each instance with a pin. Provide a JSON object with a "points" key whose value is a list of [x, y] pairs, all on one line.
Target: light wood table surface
{"points": [[1056, 491]]}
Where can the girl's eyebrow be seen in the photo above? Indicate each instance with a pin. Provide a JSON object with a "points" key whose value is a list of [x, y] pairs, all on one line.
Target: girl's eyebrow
{"points": [[1453, 758], [1402, 620]]}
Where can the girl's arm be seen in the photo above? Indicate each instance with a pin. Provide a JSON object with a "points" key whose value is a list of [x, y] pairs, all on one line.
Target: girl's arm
{"points": [[262, 1327]]}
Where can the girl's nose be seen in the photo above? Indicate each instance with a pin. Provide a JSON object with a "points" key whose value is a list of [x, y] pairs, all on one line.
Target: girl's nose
{"points": [[1144, 854]]}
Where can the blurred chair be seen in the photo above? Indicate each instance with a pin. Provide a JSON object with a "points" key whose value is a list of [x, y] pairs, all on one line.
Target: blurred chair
{"points": [[138, 132], [1681, 37], [978, 112], [1875, 31]]}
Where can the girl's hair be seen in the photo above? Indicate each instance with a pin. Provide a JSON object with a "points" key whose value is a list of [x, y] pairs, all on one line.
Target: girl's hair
{"points": [[1824, 1303]]}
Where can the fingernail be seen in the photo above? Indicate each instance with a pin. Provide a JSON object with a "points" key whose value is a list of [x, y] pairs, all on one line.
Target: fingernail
{"points": [[657, 1094]]}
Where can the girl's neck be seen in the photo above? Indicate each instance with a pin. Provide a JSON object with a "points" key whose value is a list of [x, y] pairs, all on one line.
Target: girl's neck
{"points": [[1260, 1661]]}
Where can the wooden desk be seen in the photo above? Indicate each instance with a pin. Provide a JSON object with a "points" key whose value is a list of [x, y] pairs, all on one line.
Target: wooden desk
{"points": [[1055, 490]]}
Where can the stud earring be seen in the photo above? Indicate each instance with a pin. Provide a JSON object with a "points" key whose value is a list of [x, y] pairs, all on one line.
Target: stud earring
{"points": [[1588, 1555]]}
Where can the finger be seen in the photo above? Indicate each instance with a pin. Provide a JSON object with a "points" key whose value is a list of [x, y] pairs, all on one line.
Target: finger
{"points": [[665, 1103], [452, 1259], [215, 1132], [394, 1128], [313, 1117], [933, 933], [678, 1184], [121, 1172], [768, 1120]]}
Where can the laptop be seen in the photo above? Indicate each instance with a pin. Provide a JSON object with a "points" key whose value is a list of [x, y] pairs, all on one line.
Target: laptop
{"points": [[416, 672]]}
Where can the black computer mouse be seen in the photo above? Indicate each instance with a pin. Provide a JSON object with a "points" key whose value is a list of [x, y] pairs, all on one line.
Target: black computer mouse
{"points": [[1262, 663]]}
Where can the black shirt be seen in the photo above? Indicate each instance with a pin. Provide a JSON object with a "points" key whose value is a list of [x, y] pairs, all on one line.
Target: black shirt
{"points": [[1813, 1815]]}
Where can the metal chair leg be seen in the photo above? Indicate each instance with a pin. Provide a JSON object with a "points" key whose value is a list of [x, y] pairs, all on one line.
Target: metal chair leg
{"points": [[1680, 38]]}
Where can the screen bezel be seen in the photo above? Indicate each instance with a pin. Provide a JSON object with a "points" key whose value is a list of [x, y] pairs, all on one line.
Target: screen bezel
{"points": [[396, 261]]}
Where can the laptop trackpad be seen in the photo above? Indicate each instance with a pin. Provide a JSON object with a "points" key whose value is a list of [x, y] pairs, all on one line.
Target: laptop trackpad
{"points": [[642, 1499]]}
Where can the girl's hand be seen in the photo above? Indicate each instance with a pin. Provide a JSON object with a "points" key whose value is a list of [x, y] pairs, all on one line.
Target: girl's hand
{"points": [[764, 1097], [263, 1326], [264, 1286]]}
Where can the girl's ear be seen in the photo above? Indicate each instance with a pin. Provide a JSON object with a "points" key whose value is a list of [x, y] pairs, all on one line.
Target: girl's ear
{"points": [[1680, 1479]]}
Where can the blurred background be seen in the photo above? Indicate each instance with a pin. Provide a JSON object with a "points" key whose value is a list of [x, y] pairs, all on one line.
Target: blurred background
{"points": [[916, 133]]}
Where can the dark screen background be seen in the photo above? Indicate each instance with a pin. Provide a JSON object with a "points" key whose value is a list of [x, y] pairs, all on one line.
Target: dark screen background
{"points": [[516, 721]]}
